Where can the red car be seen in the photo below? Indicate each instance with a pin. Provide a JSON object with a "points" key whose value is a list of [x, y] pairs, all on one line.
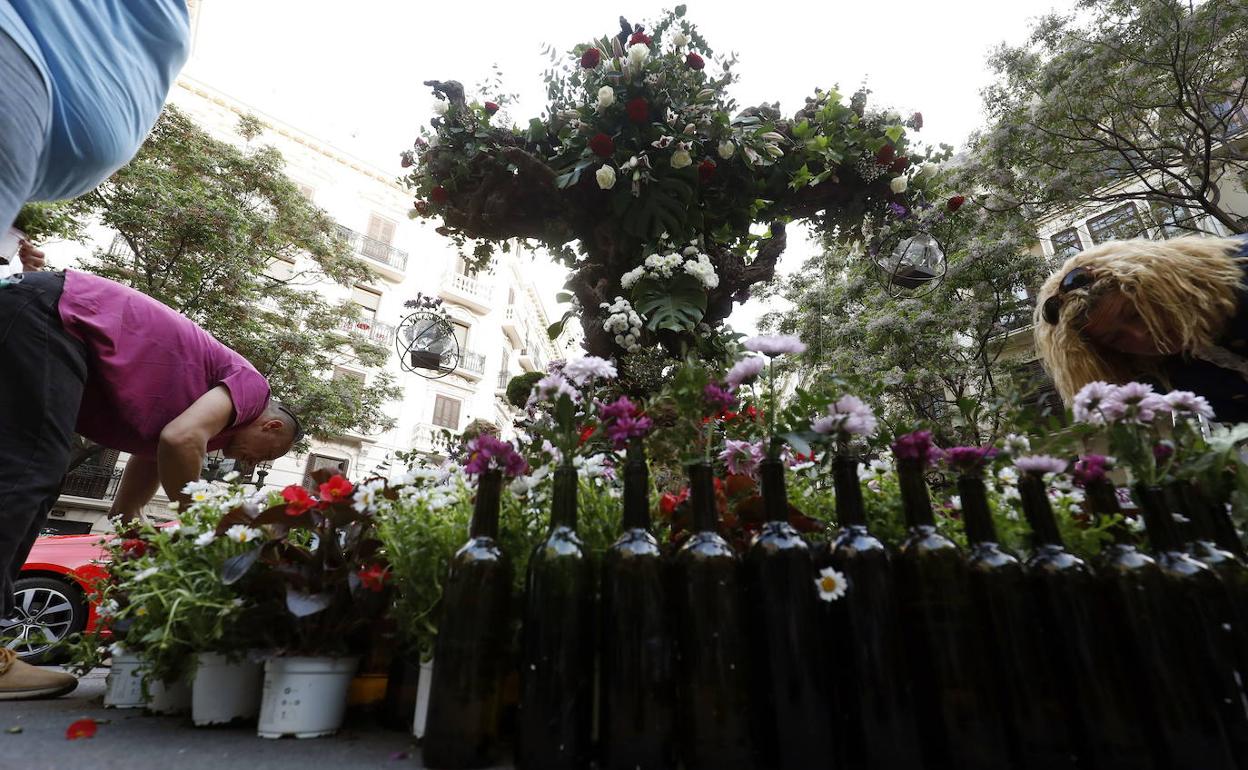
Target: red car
{"points": [[51, 595]]}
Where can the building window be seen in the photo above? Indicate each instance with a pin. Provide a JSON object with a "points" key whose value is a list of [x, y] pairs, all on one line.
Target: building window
{"points": [[280, 269], [368, 300], [380, 236], [446, 412], [323, 462], [1066, 244], [345, 374], [1122, 222], [1174, 220], [461, 335]]}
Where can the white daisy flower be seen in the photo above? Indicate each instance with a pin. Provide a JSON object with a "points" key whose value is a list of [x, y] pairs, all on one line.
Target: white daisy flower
{"points": [[205, 539], [240, 533], [832, 585]]}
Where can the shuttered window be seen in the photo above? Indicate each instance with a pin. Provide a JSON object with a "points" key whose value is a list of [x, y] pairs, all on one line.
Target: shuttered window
{"points": [[368, 300], [446, 412], [319, 462]]}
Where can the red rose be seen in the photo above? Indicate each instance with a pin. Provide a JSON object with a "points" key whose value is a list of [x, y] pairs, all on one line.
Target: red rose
{"points": [[602, 145], [638, 110], [901, 164], [694, 62], [491, 107], [591, 58], [439, 194], [337, 488], [884, 156], [706, 170], [297, 500], [916, 120], [639, 37], [373, 577], [133, 548], [955, 203]]}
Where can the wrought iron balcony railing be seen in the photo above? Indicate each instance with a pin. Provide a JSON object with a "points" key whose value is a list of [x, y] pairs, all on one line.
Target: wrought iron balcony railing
{"points": [[378, 251], [473, 362], [92, 481], [381, 333]]}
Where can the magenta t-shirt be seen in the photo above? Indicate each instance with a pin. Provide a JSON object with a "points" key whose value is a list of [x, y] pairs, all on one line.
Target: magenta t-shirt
{"points": [[147, 364]]}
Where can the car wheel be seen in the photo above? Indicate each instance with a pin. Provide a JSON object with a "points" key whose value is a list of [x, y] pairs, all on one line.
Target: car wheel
{"points": [[46, 611]]}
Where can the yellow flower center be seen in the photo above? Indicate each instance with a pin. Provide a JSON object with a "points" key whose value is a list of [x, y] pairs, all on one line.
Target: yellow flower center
{"points": [[827, 584]]}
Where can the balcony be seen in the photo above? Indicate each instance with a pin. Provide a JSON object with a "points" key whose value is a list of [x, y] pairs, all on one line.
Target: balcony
{"points": [[388, 260], [466, 290], [92, 481], [532, 358], [376, 331], [513, 327], [471, 364], [504, 379]]}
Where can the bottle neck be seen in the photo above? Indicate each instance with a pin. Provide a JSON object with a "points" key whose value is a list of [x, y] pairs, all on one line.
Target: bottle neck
{"points": [[1037, 510], [563, 503], [485, 512], [1163, 532], [702, 498], [915, 503], [775, 497], [976, 516], [636, 488], [1102, 500], [849, 508]]}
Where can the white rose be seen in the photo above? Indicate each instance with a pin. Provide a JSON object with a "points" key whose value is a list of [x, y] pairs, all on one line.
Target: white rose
{"points": [[681, 158], [928, 169], [606, 97], [680, 39], [605, 177], [440, 107], [726, 149], [898, 185], [637, 56]]}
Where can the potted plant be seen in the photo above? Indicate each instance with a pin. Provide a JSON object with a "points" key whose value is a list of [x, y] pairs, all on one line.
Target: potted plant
{"points": [[319, 580]]}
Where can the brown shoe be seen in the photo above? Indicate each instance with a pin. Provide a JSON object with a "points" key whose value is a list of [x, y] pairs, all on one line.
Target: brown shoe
{"points": [[22, 681]]}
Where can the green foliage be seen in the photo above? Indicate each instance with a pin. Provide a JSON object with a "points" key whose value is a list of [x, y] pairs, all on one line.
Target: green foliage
{"points": [[675, 305], [49, 221], [236, 248], [520, 387]]}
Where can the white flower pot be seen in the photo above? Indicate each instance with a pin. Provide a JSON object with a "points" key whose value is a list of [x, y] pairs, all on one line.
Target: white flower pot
{"points": [[168, 698], [124, 684], [423, 685], [304, 697], [224, 691]]}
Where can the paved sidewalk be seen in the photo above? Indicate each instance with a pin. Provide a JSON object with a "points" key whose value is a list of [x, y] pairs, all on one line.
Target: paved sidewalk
{"points": [[128, 740]]}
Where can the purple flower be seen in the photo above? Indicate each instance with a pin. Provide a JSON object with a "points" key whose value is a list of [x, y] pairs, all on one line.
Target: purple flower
{"points": [[848, 416], [742, 457], [898, 210], [1187, 404], [1096, 403], [486, 452], [551, 387], [617, 409], [628, 427], [1090, 469], [969, 459], [775, 345], [915, 446], [719, 399], [1137, 403], [1163, 450], [583, 370], [745, 371], [1040, 464]]}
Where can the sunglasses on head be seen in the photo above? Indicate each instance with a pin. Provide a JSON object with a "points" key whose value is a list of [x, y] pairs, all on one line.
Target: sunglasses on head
{"points": [[1079, 278]]}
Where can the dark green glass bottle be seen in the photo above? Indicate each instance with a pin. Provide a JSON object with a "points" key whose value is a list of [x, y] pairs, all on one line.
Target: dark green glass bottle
{"points": [[790, 707], [637, 670], [1151, 660], [556, 652], [958, 728], [1200, 605], [710, 633], [1063, 589], [873, 710], [1029, 690], [465, 696]]}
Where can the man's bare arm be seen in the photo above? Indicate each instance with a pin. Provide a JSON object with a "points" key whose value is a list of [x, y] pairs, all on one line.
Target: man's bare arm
{"points": [[138, 483], [184, 441]]}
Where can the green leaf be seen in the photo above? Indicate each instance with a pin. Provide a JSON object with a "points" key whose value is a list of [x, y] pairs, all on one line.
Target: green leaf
{"points": [[236, 567], [663, 207], [563, 296], [894, 133], [799, 444], [555, 329], [537, 130], [680, 11], [677, 304]]}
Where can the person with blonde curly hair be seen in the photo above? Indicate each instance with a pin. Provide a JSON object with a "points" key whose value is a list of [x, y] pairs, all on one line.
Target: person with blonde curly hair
{"points": [[1173, 313]]}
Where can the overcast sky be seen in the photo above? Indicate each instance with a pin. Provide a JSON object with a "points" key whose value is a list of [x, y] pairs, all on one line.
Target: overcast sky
{"points": [[351, 72]]}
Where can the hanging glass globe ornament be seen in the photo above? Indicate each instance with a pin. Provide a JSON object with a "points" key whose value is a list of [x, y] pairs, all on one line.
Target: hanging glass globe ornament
{"points": [[914, 266]]}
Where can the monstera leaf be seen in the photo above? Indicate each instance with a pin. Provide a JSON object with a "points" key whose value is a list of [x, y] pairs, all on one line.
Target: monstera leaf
{"points": [[662, 207], [676, 304]]}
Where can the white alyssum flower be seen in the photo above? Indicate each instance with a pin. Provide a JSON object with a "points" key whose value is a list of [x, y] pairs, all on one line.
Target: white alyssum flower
{"points": [[632, 276], [605, 176], [241, 533], [681, 159], [606, 97], [832, 585], [637, 56], [726, 149], [898, 184], [144, 574], [108, 609], [368, 496], [205, 539], [587, 368]]}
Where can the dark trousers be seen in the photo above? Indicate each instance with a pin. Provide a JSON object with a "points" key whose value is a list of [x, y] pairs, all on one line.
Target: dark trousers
{"points": [[42, 371]]}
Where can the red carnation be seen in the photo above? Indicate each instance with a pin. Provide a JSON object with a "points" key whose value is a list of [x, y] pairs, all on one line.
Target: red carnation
{"points": [[639, 37], [694, 62], [297, 500], [337, 488], [373, 577], [955, 203], [586, 432], [602, 145], [706, 170], [491, 107], [133, 548], [439, 194], [591, 58], [638, 110], [406, 159], [901, 164], [884, 156]]}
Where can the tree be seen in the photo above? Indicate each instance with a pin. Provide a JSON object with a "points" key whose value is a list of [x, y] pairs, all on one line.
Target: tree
{"points": [[1131, 100], [929, 353], [648, 183], [208, 228]]}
